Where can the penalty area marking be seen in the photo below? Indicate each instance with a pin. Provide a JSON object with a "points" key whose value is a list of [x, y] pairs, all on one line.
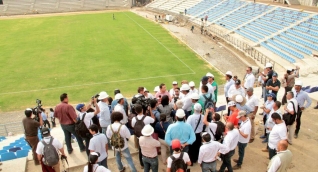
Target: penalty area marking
{"points": [[193, 72], [96, 83]]}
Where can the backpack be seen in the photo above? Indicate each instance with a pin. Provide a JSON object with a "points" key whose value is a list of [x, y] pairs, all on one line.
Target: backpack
{"points": [[116, 140], [81, 129], [50, 156], [208, 102], [289, 118], [219, 131], [139, 125], [178, 164]]}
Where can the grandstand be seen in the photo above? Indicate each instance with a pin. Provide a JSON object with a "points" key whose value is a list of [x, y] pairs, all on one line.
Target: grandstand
{"points": [[284, 35]]}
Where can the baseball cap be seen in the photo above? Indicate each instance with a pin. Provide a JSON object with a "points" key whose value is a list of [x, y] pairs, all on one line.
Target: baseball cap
{"points": [[209, 75], [174, 83], [275, 74], [241, 113], [80, 106], [118, 96], [103, 95], [300, 83], [229, 73], [195, 96], [185, 87], [231, 103], [191, 84], [197, 107], [271, 95], [238, 82], [45, 132], [180, 113], [175, 144], [268, 65], [205, 78]]}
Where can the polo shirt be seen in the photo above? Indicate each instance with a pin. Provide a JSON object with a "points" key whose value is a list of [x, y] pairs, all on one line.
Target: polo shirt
{"points": [[147, 120], [193, 120], [88, 118], [98, 144], [279, 132], [181, 131], [269, 76], [249, 80], [301, 98], [187, 102], [97, 168], [212, 126], [209, 150], [161, 130], [120, 108], [65, 113], [234, 91], [252, 101], [269, 124], [210, 88], [231, 140], [227, 86], [290, 105], [44, 117], [114, 103], [148, 146], [194, 91], [159, 93], [124, 132], [245, 128], [273, 84], [104, 114], [30, 127], [40, 147], [185, 158]]}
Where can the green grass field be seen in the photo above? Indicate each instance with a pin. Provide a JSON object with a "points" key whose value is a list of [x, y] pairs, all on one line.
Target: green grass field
{"points": [[85, 54]]}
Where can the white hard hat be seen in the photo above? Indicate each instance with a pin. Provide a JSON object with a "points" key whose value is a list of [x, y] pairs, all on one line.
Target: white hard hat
{"points": [[195, 96], [268, 65], [185, 87], [180, 113], [209, 75], [191, 84], [147, 130], [300, 83], [156, 89], [118, 96], [103, 95], [229, 73]]}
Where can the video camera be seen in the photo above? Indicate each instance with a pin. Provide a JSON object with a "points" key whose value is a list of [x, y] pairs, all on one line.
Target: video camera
{"points": [[141, 100], [37, 109]]}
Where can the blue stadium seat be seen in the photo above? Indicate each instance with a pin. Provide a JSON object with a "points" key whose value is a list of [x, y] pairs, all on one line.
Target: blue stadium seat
{"points": [[26, 148], [7, 147], [3, 151], [22, 153], [8, 156]]}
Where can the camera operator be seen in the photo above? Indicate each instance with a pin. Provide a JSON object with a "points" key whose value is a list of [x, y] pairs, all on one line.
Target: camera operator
{"points": [[31, 131]]}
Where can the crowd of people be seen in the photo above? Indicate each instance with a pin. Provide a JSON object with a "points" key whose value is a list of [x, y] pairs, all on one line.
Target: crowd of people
{"points": [[180, 124]]}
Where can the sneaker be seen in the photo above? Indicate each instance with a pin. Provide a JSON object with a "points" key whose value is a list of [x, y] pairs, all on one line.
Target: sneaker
{"points": [[235, 160], [264, 150], [236, 167], [263, 137], [295, 136], [265, 141]]}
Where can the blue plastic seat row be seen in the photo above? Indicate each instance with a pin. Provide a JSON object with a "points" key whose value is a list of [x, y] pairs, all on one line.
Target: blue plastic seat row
{"points": [[271, 26], [246, 36], [291, 44], [284, 56], [250, 31], [284, 48], [300, 41], [261, 31], [310, 38], [306, 30]]}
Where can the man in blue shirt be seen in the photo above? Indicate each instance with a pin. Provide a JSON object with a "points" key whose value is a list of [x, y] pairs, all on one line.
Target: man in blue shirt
{"points": [[114, 102], [181, 131], [44, 118]]}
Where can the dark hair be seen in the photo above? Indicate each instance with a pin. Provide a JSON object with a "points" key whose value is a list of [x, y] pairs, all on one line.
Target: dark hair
{"points": [[110, 100], [180, 119], [161, 85], [163, 117], [116, 116], [28, 113], [153, 103], [63, 96], [178, 88], [250, 68], [276, 116], [164, 100], [177, 149], [92, 160], [116, 91], [140, 89], [229, 76], [235, 77], [138, 108], [94, 128], [291, 93], [51, 109], [134, 100], [206, 137], [187, 91], [217, 117], [278, 104], [205, 88]]}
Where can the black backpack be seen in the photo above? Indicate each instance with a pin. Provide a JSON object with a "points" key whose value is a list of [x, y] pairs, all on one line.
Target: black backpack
{"points": [[81, 129], [219, 131], [178, 164], [289, 118], [139, 125]]}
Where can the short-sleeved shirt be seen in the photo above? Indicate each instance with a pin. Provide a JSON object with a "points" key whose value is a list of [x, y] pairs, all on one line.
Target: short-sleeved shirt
{"points": [[40, 147], [97, 168], [161, 130], [214, 84], [148, 146], [252, 101], [104, 115], [98, 144], [162, 94], [30, 127], [193, 120], [185, 158], [273, 84], [245, 127], [279, 132], [232, 118], [44, 117], [147, 120], [120, 108], [167, 111], [124, 132], [88, 118], [290, 105], [212, 127]]}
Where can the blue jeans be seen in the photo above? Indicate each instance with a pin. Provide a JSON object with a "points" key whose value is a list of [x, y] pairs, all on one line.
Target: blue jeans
{"points": [[68, 130], [271, 152], [150, 163], [103, 162], [241, 150], [128, 157], [227, 161], [208, 167]]}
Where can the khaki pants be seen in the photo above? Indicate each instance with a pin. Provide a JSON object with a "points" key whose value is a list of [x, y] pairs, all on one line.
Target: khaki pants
{"points": [[136, 142], [253, 126], [33, 141], [290, 132], [164, 149]]}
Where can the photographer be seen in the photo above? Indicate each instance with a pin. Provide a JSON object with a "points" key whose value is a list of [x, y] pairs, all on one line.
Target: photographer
{"points": [[288, 81], [31, 131]]}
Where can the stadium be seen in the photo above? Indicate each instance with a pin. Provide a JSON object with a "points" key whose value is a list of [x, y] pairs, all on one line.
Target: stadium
{"points": [[83, 47]]}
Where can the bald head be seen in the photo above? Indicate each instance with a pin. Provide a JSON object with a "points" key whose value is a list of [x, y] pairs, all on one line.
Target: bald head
{"points": [[230, 126], [282, 145]]}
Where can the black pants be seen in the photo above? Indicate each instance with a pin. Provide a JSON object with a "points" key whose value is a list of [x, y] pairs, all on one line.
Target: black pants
{"points": [[195, 148], [284, 100], [53, 122], [46, 122], [298, 122], [87, 139], [264, 121], [228, 109], [140, 156], [227, 161]]}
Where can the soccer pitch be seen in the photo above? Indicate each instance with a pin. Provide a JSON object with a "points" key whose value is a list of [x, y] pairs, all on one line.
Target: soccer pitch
{"points": [[84, 54]]}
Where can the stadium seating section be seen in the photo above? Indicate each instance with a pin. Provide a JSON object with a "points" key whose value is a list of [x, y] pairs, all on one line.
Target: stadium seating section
{"points": [[17, 149], [290, 34]]}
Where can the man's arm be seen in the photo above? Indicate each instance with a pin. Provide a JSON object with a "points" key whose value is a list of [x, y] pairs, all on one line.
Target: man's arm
{"points": [[243, 134], [62, 151], [308, 102], [168, 136], [255, 110], [96, 106], [39, 158], [41, 120], [151, 114], [192, 136]]}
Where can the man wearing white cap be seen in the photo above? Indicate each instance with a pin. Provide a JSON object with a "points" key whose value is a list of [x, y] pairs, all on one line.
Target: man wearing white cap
{"points": [[196, 122], [174, 86], [301, 97], [192, 88], [120, 107], [114, 102], [228, 84], [249, 78], [195, 99], [148, 147], [291, 109], [181, 131], [185, 89], [244, 137], [147, 94], [210, 80], [104, 115]]}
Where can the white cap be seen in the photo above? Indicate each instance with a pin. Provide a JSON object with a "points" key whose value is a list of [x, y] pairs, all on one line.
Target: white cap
{"points": [[103, 95], [185, 87], [174, 82], [239, 98], [180, 113], [289, 68], [156, 89], [147, 130], [191, 84], [118, 96], [231, 103], [195, 96], [268, 65], [298, 82], [197, 107], [209, 75], [229, 73], [145, 89]]}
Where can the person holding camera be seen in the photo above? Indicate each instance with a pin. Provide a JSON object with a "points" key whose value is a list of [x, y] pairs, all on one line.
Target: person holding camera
{"points": [[288, 81], [31, 131]]}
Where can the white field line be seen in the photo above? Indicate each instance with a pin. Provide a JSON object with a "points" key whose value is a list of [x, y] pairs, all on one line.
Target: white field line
{"points": [[96, 83], [193, 72]]}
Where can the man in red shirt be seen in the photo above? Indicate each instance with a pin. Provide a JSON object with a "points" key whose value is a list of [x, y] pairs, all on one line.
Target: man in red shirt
{"points": [[232, 117], [67, 117]]}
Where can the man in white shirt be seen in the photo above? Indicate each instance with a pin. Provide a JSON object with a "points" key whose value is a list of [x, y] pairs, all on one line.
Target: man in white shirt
{"points": [[282, 160], [196, 122], [87, 120], [252, 101], [213, 125], [47, 138], [244, 137], [174, 86], [291, 109], [187, 102], [210, 80], [99, 144], [208, 152], [125, 134], [228, 84], [236, 89], [104, 115], [249, 78], [192, 88], [230, 140], [279, 132], [120, 107]]}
